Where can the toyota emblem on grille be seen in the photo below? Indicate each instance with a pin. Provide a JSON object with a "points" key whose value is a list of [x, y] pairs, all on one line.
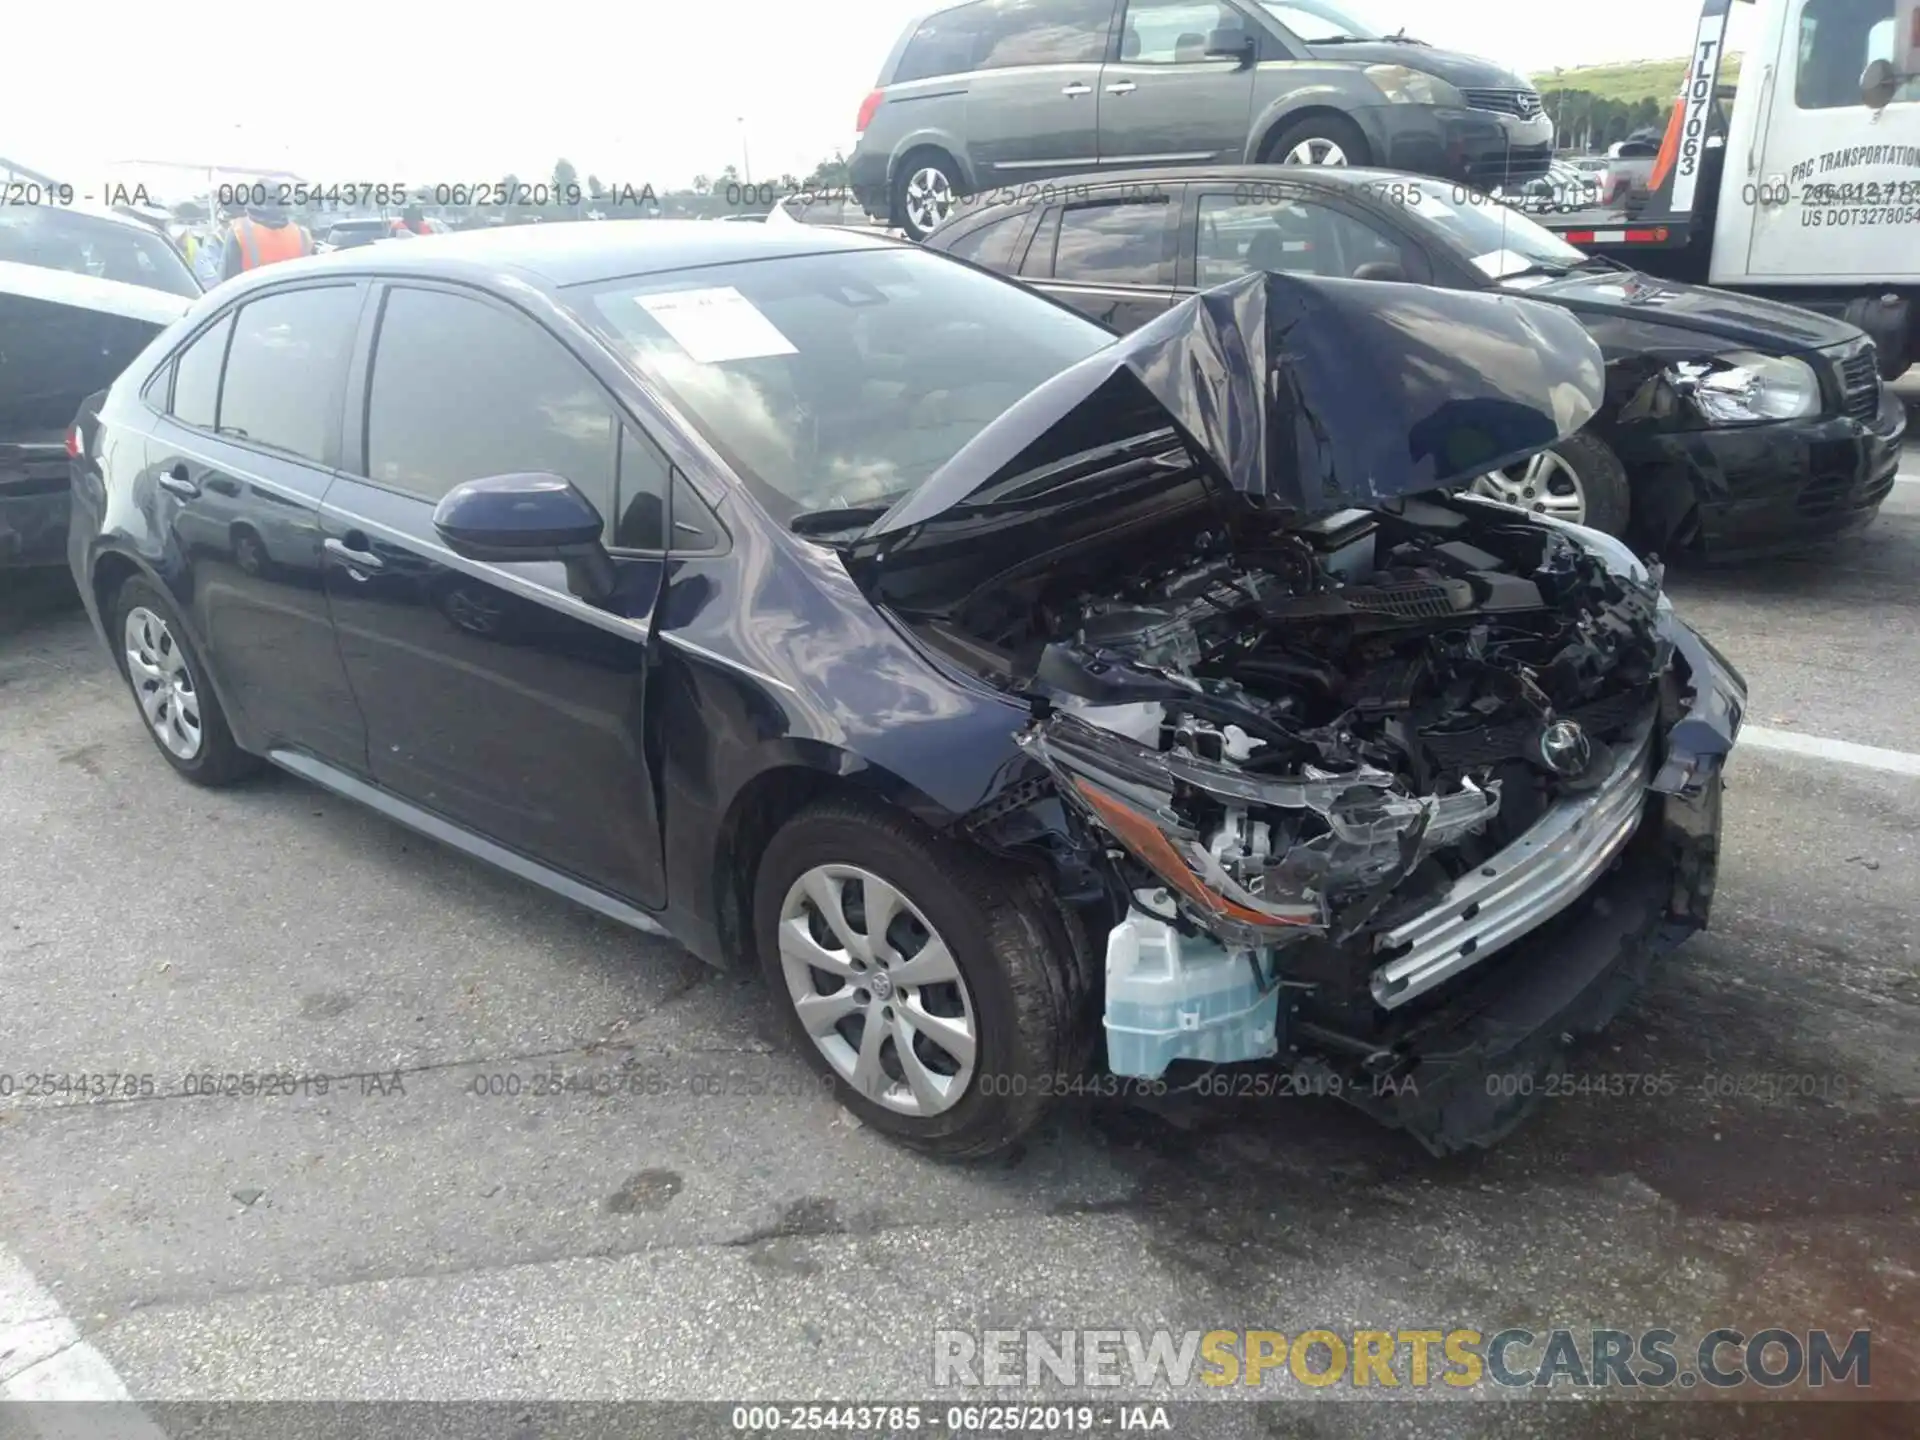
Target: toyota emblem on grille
{"points": [[1565, 749]]}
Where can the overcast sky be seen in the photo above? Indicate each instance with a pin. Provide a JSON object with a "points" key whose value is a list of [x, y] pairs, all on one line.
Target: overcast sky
{"points": [[369, 90]]}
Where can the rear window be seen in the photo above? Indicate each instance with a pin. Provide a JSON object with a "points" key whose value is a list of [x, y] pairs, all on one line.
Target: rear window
{"points": [[999, 34], [82, 244], [841, 379]]}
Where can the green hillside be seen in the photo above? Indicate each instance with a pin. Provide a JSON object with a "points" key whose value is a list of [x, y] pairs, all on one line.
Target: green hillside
{"points": [[1639, 80]]}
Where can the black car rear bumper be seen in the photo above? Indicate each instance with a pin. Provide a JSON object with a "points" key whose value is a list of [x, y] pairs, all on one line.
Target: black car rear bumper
{"points": [[35, 499], [1763, 489]]}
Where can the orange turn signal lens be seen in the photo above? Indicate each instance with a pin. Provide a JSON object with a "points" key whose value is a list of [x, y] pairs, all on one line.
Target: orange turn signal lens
{"points": [[1151, 847]]}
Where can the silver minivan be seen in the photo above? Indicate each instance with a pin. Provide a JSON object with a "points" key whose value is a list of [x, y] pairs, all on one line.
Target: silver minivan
{"points": [[982, 98]]}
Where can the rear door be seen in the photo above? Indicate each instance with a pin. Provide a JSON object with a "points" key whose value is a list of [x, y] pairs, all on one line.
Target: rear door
{"points": [[494, 697], [1111, 258], [1163, 102], [238, 460], [1031, 107]]}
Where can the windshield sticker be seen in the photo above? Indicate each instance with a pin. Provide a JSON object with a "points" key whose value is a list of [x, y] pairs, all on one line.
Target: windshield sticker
{"points": [[1499, 263], [717, 325]]}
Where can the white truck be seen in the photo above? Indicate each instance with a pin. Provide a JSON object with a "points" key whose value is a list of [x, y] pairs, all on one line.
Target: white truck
{"points": [[1804, 183]]}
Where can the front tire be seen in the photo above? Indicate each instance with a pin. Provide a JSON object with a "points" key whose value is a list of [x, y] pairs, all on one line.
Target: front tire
{"points": [[929, 981], [1578, 479], [177, 706], [1320, 140]]}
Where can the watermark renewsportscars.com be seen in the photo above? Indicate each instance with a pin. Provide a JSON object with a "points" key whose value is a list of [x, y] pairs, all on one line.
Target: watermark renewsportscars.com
{"points": [[1771, 1358]]}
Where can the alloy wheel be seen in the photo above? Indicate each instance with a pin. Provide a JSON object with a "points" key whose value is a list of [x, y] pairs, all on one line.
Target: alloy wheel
{"points": [[877, 989], [1545, 483], [1316, 151], [929, 197], [162, 682]]}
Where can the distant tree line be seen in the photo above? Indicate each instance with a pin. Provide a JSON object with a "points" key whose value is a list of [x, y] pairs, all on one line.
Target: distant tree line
{"points": [[1586, 122]]}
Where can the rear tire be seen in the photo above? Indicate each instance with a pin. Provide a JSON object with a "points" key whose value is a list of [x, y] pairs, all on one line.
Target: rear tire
{"points": [[980, 1068], [925, 192], [178, 709], [1320, 140]]}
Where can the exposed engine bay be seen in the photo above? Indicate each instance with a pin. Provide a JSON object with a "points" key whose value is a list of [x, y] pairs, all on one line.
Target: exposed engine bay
{"points": [[1302, 729]]}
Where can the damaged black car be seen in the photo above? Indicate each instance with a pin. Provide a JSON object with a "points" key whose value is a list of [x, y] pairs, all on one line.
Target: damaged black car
{"points": [[1028, 705], [1732, 426]]}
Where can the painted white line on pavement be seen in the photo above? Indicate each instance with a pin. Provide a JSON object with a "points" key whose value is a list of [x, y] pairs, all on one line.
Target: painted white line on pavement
{"points": [[43, 1358], [1817, 747]]}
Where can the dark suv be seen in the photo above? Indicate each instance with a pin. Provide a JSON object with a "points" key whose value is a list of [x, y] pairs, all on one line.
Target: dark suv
{"points": [[997, 93]]}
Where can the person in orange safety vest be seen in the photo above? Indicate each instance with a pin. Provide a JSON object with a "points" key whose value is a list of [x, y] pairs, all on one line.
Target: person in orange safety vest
{"points": [[262, 235]]}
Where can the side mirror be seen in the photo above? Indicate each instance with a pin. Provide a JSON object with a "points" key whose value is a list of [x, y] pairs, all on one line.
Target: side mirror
{"points": [[1879, 83], [504, 519], [1230, 45], [1382, 270]]}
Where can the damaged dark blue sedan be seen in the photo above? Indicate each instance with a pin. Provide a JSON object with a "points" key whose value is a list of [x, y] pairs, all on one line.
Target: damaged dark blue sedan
{"points": [[1023, 702]]}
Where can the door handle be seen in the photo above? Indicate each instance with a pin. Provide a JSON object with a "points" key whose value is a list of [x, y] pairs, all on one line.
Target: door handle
{"points": [[355, 557], [1122, 87], [1076, 89], [180, 483]]}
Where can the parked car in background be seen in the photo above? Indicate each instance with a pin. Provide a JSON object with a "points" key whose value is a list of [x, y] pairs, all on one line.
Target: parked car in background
{"points": [[993, 94], [81, 293], [866, 619], [354, 232], [1731, 425]]}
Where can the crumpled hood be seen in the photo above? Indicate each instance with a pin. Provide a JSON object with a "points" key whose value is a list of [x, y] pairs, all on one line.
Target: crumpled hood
{"points": [[1306, 394]]}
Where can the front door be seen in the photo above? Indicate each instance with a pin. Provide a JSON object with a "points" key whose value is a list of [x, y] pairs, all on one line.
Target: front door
{"points": [[1163, 102], [493, 696], [1031, 107], [238, 463], [1834, 190]]}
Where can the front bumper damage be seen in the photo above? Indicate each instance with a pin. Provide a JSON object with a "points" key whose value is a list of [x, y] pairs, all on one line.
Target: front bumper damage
{"points": [[1469, 998]]}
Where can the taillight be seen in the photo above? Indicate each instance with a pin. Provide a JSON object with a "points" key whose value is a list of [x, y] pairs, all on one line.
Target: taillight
{"points": [[74, 448], [867, 107]]}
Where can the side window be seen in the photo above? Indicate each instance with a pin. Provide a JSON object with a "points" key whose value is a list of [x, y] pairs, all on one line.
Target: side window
{"points": [[645, 478], [1044, 32], [1117, 243], [285, 368], [999, 34], [462, 390], [992, 244], [1039, 261], [196, 376], [1289, 236], [1173, 32], [694, 525], [1837, 40]]}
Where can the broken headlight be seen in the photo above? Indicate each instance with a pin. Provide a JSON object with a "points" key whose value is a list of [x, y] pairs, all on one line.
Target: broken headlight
{"points": [[1256, 857], [1746, 388]]}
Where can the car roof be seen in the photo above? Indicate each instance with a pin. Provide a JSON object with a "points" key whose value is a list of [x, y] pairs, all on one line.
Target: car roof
{"points": [[1330, 176], [560, 255]]}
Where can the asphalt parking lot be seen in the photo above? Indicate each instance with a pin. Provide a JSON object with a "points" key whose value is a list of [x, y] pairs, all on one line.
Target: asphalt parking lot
{"points": [[719, 1230]]}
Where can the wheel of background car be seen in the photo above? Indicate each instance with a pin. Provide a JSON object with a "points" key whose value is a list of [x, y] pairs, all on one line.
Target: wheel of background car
{"points": [[168, 680], [929, 981], [924, 192], [1580, 479], [1320, 140]]}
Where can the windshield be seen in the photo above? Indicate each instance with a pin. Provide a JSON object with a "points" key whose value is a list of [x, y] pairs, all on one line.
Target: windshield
{"points": [[84, 244], [1498, 240], [838, 380], [1317, 23]]}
